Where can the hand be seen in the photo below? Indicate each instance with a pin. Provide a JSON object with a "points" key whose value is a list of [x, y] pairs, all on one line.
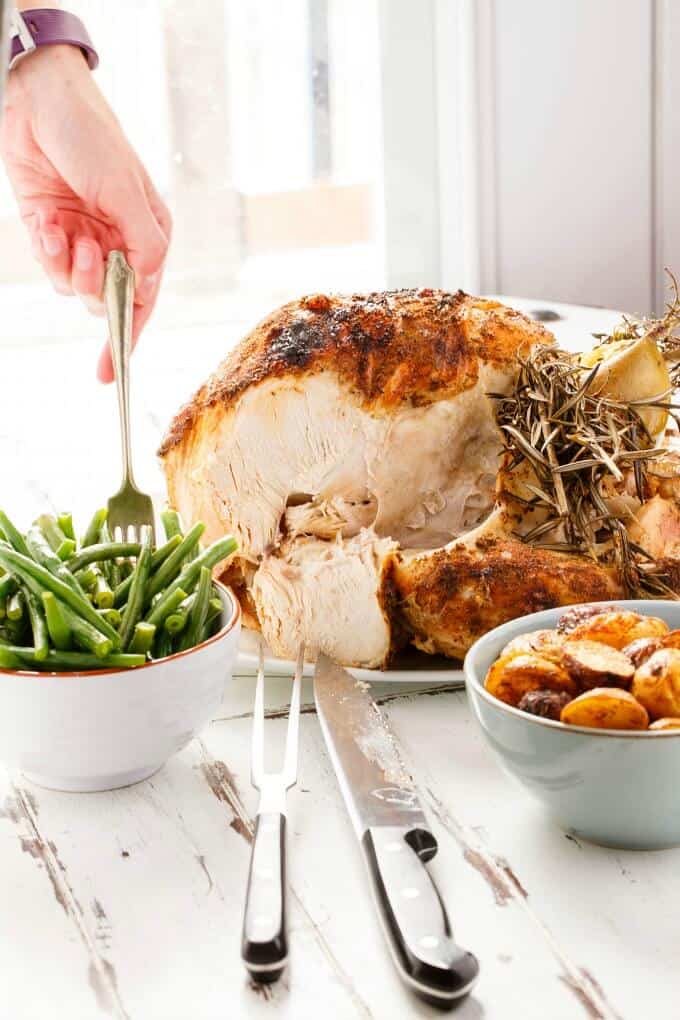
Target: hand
{"points": [[82, 190]]}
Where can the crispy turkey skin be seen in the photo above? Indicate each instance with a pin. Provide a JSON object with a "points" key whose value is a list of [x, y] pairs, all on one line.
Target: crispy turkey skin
{"points": [[350, 444]]}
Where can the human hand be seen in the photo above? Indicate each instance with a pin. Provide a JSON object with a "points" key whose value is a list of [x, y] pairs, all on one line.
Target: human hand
{"points": [[82, 190]]}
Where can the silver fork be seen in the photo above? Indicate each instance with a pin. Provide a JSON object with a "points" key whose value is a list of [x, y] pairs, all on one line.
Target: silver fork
{"points": [[130, 510], [264, 944]]}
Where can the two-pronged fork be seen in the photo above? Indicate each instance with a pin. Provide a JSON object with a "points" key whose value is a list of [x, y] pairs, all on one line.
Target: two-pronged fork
{"points": [[264, 945]]}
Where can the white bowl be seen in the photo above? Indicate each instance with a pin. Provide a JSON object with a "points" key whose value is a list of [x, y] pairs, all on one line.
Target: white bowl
{"points": [[618, 788], [103, 729]]}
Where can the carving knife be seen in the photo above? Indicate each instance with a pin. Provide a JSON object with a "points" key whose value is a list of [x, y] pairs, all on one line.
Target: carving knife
{"points": [[394, 835]]}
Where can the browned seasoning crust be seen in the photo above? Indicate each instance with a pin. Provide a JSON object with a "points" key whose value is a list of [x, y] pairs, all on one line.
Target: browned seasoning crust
{"points": [[455, 595], [392, 347]]}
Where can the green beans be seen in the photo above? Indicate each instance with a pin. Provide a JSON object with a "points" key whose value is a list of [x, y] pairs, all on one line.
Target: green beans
{"points": [[72, 661], [58, 628], [65, 608], [38, 625], [94, 527], [65, 522], [164, 607], [210, 557], [172, 524], [25, 568], [57, 540], [142, 638], [159, 556], [15, 606], [199, 611], [135, 604], [168, 570], [13, 536], [103, 551]]}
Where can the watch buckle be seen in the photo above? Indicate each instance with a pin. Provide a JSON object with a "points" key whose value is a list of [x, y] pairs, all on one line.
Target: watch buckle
{"points": [[19, 27]]}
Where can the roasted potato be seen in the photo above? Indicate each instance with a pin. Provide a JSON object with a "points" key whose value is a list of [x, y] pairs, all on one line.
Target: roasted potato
{"points": [[668, 723], [606, 708], [656, 683], [618, 629], [671, 640], [546, 643], [545, 704], [641, 649], [593, 664], [512, 676], [576, 615]]}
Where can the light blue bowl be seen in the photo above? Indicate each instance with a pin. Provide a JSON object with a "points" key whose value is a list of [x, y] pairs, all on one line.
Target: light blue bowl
{"points": [[617, 788]]}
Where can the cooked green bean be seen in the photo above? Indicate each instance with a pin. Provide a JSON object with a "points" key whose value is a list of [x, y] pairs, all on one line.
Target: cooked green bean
{"points": [[41, 551], [15, 606], [142, 638], [215, 609], [38, 625], [198, 613], [135, 602], [164, 607], [74, 660], [87, 578], [58, 628], [85, 635], [13, 535], [102, 551], [9, 660], [57, 540], [113, 616], [65, 522], [172, 566], [175, 622], [103, 596], [8, 585], [25, 568], [162, 645], [172, 524], [210, 557], [158, 557], [94, 527]]}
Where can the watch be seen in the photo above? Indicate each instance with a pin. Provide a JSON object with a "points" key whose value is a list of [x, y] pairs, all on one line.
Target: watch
{"points": [[45, 26]]}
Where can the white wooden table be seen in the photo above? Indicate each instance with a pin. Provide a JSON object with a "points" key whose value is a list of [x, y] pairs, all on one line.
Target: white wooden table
{"points": [[128, 904]]}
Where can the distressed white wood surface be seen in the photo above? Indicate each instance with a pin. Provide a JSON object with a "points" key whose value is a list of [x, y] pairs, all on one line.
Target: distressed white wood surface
{"points": [[128, 904]]}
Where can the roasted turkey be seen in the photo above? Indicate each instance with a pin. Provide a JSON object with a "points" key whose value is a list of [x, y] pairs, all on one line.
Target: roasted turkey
{"points": [[351, 445]]}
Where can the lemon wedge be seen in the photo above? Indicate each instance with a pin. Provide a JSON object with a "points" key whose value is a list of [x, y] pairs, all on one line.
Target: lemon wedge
{"points": [[631, 370]]}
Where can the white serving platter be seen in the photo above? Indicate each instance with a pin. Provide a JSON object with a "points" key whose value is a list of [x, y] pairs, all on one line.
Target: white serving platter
{"points": [[410, 667]]}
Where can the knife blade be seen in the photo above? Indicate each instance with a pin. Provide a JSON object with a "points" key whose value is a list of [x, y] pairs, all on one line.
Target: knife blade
{"points": [[394, 835]]}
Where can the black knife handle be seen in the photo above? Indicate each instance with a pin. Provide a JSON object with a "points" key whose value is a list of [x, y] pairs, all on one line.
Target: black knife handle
{"points": [[415, 919], [264, 944]]}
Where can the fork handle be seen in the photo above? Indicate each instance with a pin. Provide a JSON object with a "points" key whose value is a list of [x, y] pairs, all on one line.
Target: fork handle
{"points": [[119, 290], [264, 944]]}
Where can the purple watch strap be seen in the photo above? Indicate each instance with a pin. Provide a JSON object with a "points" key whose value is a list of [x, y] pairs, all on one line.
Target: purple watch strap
{"points": [[45, 26]]}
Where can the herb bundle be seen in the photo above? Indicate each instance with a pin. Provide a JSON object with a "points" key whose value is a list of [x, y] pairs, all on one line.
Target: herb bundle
{"points": [[579, 444]]}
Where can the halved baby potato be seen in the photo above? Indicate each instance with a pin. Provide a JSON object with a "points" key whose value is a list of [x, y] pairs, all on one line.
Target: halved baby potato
{"points": [[639, 651], [671, 640], [606, 708], [656, 683], [668, 723], [574, 616], [593, 664], [546, 643], [618, 629], [512, 676]]}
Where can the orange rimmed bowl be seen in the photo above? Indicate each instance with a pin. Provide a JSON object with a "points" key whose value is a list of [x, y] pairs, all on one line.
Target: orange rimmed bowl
{"points": [[107, 728]]}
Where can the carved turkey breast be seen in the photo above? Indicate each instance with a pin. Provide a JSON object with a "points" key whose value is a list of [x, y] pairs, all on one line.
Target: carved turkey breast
{"points": [[351, 446]]}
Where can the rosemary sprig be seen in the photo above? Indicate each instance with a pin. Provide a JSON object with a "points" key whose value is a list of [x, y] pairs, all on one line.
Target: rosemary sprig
{"points": [[577, 441]]}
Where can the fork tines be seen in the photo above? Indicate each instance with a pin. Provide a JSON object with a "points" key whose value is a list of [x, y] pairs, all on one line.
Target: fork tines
{"points": [[289, 772]]}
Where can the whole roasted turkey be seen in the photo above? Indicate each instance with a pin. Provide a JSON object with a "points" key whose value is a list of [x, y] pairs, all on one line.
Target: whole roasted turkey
{"points": [[351, 445]]}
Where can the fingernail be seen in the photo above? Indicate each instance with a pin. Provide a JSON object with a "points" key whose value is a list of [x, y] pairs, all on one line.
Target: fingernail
{"points": [[52, 244], [84, 257]]}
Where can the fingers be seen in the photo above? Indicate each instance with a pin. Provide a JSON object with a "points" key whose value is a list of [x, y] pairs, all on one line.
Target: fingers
{"points": [[87, 276], [52, 249]]}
